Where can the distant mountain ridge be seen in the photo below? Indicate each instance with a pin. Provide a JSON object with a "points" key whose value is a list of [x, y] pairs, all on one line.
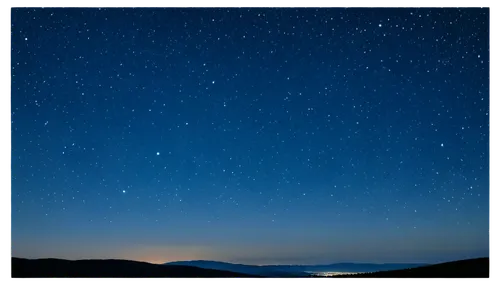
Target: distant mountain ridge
{"points": [[294, 270], [240, 268]]}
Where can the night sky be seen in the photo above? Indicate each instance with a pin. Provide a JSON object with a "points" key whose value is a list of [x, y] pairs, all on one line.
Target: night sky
{"points": [[250, 135]]}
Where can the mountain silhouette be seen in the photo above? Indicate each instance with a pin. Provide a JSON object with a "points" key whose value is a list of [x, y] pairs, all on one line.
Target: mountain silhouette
{"points": [[293, 270], [49, 267], [241, 268], [469, 268], [60, 268]]}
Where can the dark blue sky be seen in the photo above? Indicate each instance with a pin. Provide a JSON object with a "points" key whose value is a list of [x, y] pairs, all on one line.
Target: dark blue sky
{"points": [[250, 135]]}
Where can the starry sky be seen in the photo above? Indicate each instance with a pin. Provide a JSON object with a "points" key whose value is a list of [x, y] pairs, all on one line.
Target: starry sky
{"points": [[250, 135]]}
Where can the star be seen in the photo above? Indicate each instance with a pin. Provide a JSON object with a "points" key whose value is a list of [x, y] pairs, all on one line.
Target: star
{"points": [[157, 153]]}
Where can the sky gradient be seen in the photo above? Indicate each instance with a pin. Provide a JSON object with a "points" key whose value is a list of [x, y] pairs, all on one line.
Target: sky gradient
{"points": [[254, 136]]}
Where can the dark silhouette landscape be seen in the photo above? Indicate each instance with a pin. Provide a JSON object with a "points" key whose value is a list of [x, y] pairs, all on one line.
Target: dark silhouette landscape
{"points": [[294, 270], [469, 268], [106, 268], [60, 268]]}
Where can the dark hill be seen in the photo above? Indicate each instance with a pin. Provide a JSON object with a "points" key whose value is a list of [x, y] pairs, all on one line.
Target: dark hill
{"points": [[263, 271], [470, 268], [23, 268]]}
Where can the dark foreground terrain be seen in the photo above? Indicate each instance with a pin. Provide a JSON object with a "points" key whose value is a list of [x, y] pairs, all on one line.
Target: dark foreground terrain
{"points": [[470, 268], [24, 268]]}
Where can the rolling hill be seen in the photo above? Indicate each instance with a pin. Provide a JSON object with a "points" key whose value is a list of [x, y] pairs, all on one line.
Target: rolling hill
{"points": [[469, 268], [38, 268]]}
